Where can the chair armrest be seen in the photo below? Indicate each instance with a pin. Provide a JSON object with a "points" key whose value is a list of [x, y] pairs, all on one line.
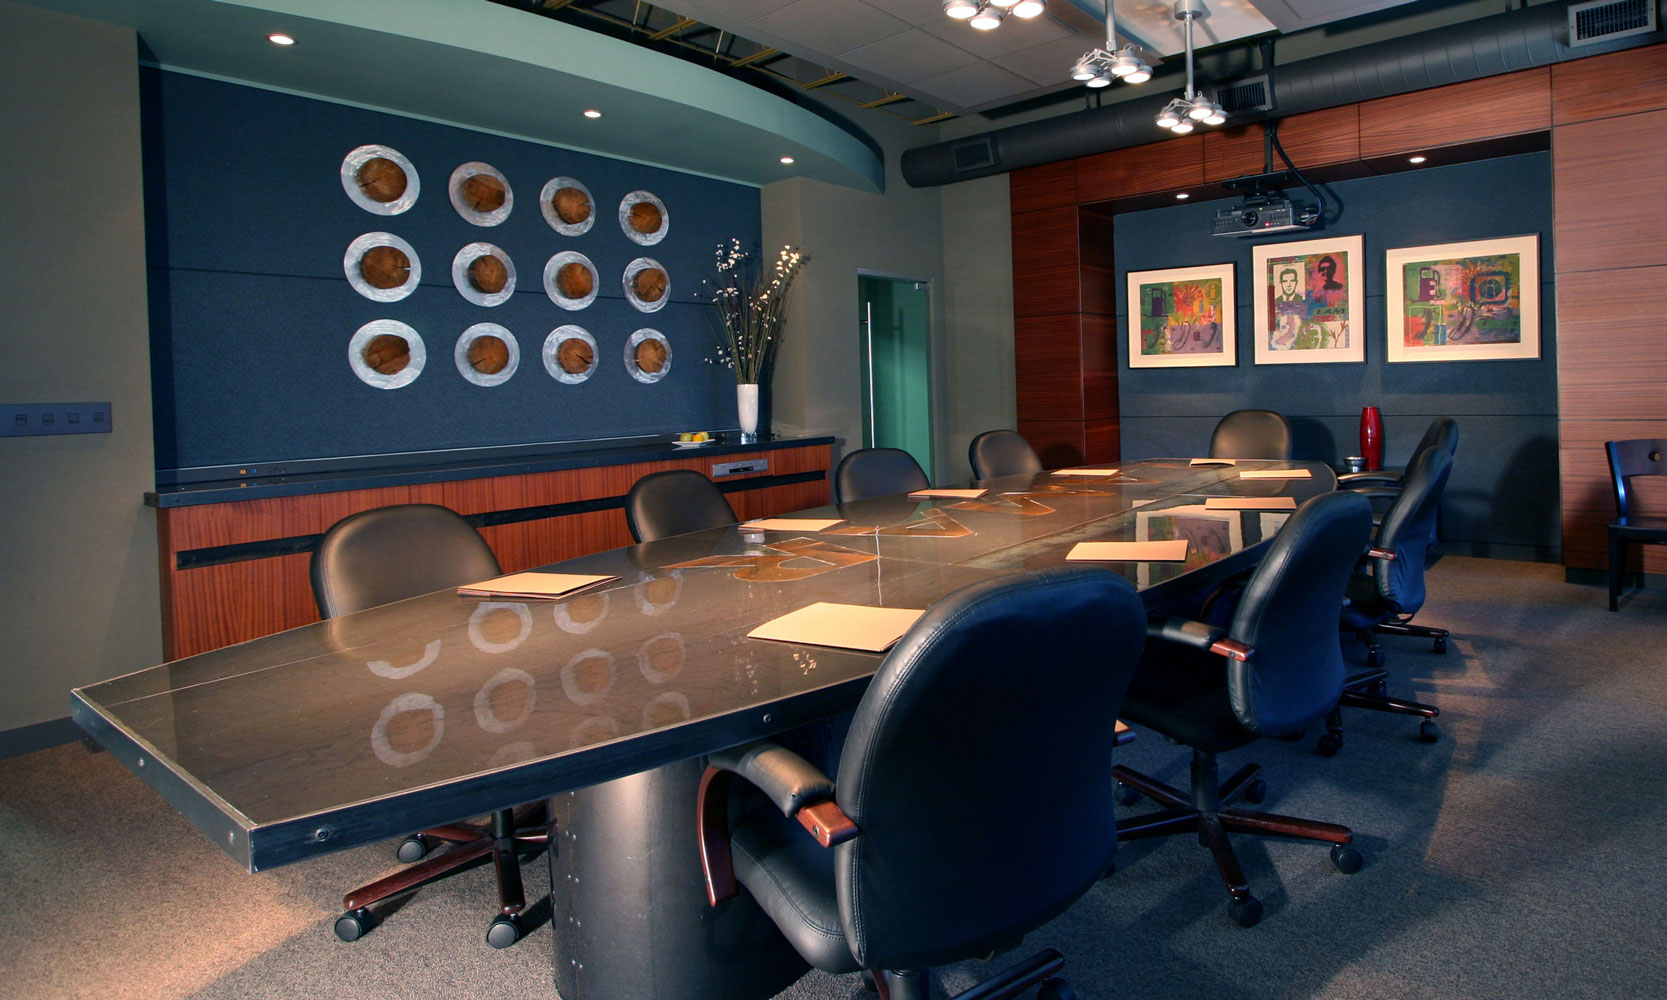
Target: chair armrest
{"points": [[1198, 635], [791, 783], [1350, 480], [1375, 492]]}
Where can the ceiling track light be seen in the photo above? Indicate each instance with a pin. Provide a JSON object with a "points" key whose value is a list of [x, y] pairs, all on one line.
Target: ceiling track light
{"points": [[1098, 67], [986, 15], [1183, 114]]}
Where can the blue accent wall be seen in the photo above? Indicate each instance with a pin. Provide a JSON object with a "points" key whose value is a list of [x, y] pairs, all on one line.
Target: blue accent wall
{"points": [[251, 312], [1502, 499]]}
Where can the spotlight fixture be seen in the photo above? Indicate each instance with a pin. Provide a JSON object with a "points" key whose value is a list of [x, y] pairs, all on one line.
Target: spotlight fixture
{"points": [[960, 9], [279, 38], [1416, 159], [1182, 196], [592, 113], [1181, 114], [787, 159], [987, 19], [986, 15], [1098, 67]]}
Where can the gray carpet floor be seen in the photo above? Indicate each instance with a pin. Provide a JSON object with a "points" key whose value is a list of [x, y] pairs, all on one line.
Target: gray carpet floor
{"points": [[1523, 855]]}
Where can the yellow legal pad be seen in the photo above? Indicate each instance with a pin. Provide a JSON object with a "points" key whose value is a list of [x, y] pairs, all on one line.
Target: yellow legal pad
{"points": [[960, 494], [1212, 461], [1084, 472], [1173, 550], [1250, 503], [1276, 474], [535, 585], [791, 523], [844, 626]]}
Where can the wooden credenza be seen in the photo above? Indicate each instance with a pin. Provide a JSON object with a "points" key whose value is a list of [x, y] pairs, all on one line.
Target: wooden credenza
{"points": [[235, 555]]}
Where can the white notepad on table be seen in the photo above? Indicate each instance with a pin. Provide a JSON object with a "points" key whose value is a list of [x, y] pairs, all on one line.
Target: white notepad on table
{"points": [[791, 523], [545, 586], [1276, 474], [844, 626], [1172, 550]]}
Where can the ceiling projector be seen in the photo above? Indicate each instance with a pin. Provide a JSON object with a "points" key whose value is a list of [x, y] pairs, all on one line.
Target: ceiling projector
{"points": [[1264, 214]]}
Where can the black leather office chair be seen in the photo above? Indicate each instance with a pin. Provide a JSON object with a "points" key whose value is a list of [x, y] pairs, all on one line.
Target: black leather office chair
{"points": [[389, 554], [877, 472], [974, 794], [1251, 434], [1384, 597], [1627, 461], [675, 502], [1276, 669], [1443, 432], [1001, 453]]}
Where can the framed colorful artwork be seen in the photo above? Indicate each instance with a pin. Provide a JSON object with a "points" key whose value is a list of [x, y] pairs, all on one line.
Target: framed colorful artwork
{"points": [[1310, 301], [1182, 317], [1476, 301]]}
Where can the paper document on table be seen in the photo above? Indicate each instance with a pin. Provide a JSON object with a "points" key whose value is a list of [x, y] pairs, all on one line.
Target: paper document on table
{"points": [[1212, 461], [1174, 550], [1250, 503], [959, 494], [791, 523], [845, 626], [1276, 474], [535, 585], [1084, 472]]}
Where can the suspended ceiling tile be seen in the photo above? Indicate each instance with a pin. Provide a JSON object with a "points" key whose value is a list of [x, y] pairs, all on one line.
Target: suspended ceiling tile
{"points": [[975, 86], [1013, 35], [1049, 64], [912, 11], [1295, 15], [909, 57], [818, 27]]}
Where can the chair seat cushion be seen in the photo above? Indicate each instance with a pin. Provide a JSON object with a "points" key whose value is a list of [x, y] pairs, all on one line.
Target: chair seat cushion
{"points": [[1183, 695], [792, 878], [1364, 608]]}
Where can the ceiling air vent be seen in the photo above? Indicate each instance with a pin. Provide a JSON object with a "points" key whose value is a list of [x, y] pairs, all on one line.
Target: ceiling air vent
{"points": [[975, 155], [1244, 95], [1604, 20]]}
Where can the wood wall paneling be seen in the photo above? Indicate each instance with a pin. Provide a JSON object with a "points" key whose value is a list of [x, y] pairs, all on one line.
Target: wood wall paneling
{"points": [[1606, 179], [1046, 279], [1158, 166], [1619, 83], [1097, 269], [1048, 367], [1312, 139], [1460, 112], [1058, 443], [1099, 367], [1612, 344], [1050, 185]]}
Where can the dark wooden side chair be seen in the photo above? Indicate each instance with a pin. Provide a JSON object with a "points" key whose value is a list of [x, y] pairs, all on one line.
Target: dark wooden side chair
{"points": [[876, 472], [974, 794], [1629, 460], [389, 554], [994, 454], [675, 502], [1275, 670], [1251, 434]]}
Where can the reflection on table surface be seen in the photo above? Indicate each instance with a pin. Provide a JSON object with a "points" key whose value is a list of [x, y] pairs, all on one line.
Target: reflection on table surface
{"points": [[441, 707]]}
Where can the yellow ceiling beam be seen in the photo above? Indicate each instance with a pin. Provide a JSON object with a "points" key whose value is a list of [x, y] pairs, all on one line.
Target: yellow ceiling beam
{"points": [[683, 23], [940, 116], [830, 78]]}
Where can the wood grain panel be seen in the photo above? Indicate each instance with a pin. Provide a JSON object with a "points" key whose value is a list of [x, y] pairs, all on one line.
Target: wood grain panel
{"points": [[1102, 439], [1058, 443], [1050, 185], [1606, 180], [1098, 268], [1045, 269], [1460, 112], [1099, 367], [1158, 166], [1048, 367], [220, 605], [1314, 139], [1587, 501], [1612, 344], [1619, 83]]}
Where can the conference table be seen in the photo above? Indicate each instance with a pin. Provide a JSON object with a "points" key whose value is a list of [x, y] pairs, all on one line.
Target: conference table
{"points": [[443, 707]]}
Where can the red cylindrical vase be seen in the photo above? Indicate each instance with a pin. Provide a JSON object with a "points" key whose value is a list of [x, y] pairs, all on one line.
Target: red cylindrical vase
{"points": [[1371, 437]]}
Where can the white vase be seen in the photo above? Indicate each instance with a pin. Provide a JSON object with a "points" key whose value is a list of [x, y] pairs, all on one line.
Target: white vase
{"points": [[746, 404]]}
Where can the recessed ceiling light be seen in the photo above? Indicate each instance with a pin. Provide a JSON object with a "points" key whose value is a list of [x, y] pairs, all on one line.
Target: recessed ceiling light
{"points": [[1183, 196], [279, 38], [787, 159], [1416, 159], [592, 113]]}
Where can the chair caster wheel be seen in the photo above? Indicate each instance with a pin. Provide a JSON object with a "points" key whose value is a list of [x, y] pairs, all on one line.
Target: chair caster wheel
{"points": [[1329, 743], [351, 926], [412, 848], [1056, 989], [1245, 910], [1428, 731], [1378, 688], [1374, 657], [1441, 645], [1127, 794], [1346, 858], [1256, 791], [503, 932]]}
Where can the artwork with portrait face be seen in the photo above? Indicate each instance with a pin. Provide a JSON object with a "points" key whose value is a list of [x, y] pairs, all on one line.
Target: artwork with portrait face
{"points": [[1309, 303]]}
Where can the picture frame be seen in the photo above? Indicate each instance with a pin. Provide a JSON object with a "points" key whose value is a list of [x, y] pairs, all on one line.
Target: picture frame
{"points": [[1310, 301], [1182, 317], [1473, 301]]}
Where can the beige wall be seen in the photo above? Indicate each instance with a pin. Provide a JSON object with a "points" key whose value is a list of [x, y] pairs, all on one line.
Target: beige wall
{"points": [[78, 558]]}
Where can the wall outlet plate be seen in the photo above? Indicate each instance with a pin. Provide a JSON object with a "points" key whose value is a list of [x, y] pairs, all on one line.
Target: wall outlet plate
{"points": [[34, 419]]}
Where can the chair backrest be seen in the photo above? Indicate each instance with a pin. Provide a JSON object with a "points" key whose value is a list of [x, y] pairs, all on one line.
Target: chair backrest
{"points": [[675, 502], [1001, 453], [1251, 434], [1288, 616], [1407, 529], [876, 472], [1442, 432], [978, 767], [1638, 457], [391, 553]]}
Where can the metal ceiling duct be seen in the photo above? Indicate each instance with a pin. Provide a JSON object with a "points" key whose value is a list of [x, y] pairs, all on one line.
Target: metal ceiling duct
{"points": [[1502, 43]]}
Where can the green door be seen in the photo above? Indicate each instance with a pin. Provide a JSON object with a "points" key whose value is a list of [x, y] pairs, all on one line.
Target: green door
{"points": [[896, 365]]}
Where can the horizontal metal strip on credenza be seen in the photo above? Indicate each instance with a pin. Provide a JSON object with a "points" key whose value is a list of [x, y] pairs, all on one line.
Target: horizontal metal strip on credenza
{"points": [[267, 548]]}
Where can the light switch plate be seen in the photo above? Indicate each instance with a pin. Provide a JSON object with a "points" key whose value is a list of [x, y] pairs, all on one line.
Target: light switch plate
{"points": [[33, 419]]}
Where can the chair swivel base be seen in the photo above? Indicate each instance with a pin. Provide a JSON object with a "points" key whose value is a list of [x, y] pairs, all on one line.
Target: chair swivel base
{"points": [[1206, 812], [1368, 690], [501, 839], [1005, 985]]}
